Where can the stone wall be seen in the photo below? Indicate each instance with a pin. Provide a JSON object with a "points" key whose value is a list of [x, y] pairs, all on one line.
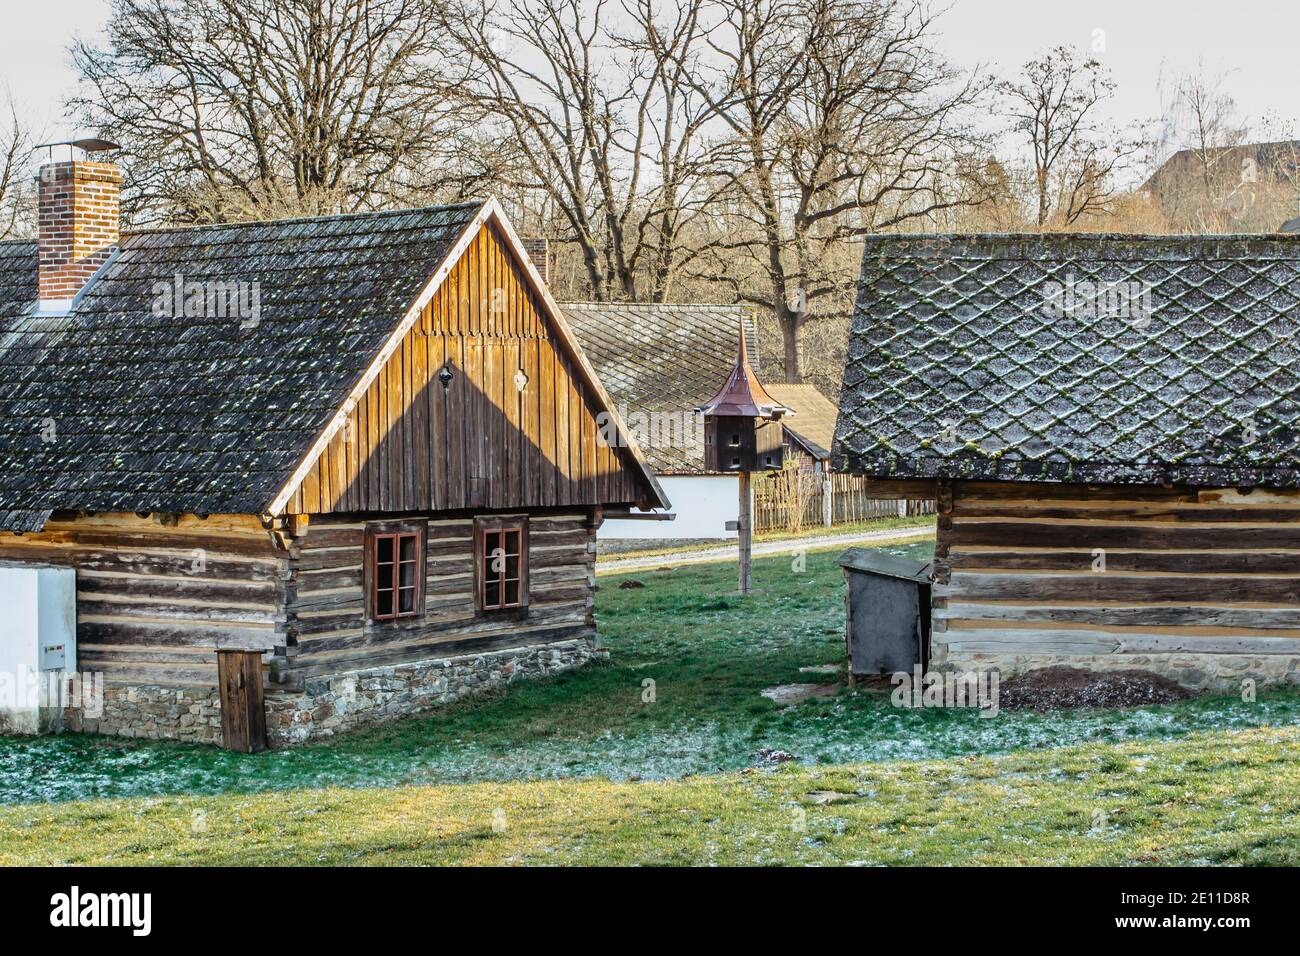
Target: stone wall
{"points": [[376, 695], [1216, 672], [330, 705], [191, 714]]}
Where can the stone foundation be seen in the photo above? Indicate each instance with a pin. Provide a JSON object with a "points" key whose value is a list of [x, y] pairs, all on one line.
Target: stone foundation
{"points": [[331, 705], [328, 705], [191, 714], [1215, 672]]}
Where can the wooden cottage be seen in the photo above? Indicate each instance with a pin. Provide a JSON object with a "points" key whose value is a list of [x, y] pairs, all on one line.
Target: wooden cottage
{"points": [[367, 446], [1111, 426]]}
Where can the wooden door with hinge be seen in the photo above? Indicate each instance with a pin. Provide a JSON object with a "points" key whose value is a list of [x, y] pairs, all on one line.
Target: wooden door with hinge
{"points": [[243, 708]]}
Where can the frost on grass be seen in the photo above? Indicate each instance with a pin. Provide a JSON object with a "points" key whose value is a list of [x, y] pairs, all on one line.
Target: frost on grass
{"points": [[710, 654], [826, 732]]}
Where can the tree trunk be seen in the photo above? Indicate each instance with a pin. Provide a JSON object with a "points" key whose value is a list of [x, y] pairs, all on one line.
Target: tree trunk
{"points": [[793, 348]]}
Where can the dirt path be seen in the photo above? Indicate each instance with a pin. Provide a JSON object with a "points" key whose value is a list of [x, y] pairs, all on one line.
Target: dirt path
{"points": [[730, 552]]}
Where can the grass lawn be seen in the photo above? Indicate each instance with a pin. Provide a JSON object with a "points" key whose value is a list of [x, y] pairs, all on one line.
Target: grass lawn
{"points": [[587, 769], [1216, 798]]}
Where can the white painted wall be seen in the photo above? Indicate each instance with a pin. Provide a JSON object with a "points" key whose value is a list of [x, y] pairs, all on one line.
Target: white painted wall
{"points": [[37, 613], [703, 505]]}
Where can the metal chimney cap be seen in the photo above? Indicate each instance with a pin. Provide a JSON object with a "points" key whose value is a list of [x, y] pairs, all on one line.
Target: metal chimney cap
{"points": [[89, 145]]}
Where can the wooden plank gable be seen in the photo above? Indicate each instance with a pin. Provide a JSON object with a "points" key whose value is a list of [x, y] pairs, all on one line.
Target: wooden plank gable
{"points": [[516, 426]]}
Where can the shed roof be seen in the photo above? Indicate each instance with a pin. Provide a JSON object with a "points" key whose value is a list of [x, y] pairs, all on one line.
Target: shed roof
{"points": [[120, 406], [813, 422], [968, 358], [873, 561], [654, 358]]}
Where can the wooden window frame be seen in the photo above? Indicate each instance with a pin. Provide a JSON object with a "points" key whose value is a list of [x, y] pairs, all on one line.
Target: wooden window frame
{"points": [[394, 532], [493, 524]]}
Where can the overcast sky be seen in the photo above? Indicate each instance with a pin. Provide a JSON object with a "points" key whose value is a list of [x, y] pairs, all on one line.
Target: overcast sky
{"points": [[1253, 40]]}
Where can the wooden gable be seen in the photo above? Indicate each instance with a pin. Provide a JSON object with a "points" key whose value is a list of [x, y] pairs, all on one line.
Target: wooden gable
{"points": [[515, 427]]}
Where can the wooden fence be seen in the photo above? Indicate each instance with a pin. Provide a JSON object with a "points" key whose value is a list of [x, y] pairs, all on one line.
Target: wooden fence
{"points": [[850, 504]]}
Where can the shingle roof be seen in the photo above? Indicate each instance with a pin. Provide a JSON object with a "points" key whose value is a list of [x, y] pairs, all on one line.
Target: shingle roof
{"points": [[114, 408], [662, 359], [17, 276], [961, 364], [814, 415]]}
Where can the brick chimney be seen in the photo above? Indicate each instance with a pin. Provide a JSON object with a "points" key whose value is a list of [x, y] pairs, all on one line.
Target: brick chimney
{"points": [[79, 209], [539, 251]]}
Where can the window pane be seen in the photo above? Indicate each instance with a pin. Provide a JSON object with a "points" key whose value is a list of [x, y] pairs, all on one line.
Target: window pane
{"points": [[408, 547], [492, 592], [384, 577], [384, 604], [512, 592], [512, 566], [495, 554], [408, 573], [406, 600], [384, 550], [512, 542]]}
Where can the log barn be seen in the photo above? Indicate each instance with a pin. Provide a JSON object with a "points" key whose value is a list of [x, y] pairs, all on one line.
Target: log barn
{"points": [[1111, 426], [366, 446]]}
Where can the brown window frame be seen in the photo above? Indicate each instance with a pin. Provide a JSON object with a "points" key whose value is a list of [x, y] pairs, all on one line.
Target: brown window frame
{"points": [[491, 525], [396, 533]]}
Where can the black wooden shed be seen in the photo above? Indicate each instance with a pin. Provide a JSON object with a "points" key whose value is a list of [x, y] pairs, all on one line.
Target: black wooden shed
{"points": [[887, 612]]}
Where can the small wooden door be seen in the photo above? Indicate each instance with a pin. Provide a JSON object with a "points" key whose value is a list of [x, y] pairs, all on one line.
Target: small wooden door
{"points": [[243, 710]]}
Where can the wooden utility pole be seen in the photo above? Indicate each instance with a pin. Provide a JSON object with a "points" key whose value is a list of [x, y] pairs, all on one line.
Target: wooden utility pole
{"points": [[745, 525]]}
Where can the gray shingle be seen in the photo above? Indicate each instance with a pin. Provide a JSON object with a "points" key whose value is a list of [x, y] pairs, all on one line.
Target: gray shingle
{"points": [[957, 366], [662, 358], [201, 414]]}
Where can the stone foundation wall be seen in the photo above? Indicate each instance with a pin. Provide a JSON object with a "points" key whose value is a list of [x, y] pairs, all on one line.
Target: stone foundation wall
{"points": [[1216, 672], [329, 705], [380, 694], [191, 714]]}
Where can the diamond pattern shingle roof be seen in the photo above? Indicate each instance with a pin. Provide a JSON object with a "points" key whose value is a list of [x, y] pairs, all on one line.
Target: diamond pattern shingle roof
{"points": [[1075, 358], [662, 359], [115, 408]]}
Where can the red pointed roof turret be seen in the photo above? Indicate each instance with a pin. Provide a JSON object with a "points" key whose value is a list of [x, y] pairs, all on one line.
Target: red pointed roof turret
{"points": [[743, 394]]}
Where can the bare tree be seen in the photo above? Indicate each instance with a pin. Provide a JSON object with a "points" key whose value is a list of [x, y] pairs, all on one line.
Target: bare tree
{"points": [[1214, 179], [607, 127], [1053, 108], [1204, 119], [227, 108], [839, 120], [16, 144]]}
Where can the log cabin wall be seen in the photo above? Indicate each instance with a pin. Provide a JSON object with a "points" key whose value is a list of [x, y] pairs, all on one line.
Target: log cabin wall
{"points": [[1187, 571], [154, 600], [514, 428], [327, 627]]}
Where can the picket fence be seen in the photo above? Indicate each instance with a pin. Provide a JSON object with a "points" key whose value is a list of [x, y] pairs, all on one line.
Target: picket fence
{"points": [[850, 504]]}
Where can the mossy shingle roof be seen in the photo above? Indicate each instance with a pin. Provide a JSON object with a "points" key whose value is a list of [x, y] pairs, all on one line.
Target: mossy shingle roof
{"points": [[1075, 358], [123, 406]]}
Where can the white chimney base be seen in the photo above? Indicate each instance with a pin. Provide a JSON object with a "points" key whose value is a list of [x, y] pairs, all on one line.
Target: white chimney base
{"points": [[54, 306]]}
